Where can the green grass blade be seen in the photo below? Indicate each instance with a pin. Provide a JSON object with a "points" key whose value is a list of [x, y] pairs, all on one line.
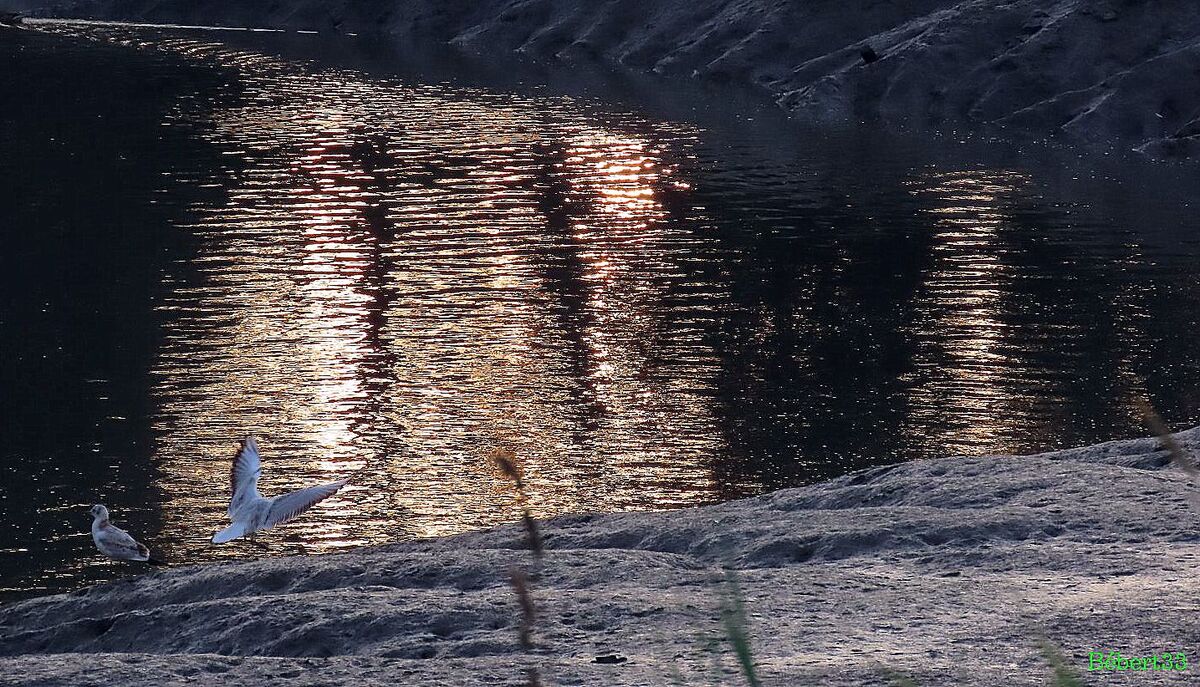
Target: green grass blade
{"points": [[733, 618], [1064, 676]]}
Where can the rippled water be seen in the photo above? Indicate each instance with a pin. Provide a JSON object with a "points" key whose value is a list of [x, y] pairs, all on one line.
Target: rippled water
{"points": [[388, 278]]}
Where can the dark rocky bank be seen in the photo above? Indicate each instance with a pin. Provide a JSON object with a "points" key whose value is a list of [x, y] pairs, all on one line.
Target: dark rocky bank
{"points": [[1106, 74]]}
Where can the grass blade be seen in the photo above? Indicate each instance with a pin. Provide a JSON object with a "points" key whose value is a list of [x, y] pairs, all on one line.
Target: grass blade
{"points": [[1064, 676], [733, 618]]}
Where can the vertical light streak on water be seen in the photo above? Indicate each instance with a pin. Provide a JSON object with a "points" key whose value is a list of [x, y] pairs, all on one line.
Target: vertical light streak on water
{"points": [[388, 295]]}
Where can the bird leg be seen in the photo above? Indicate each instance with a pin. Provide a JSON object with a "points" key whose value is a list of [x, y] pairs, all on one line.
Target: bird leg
{"points": [[253, 540]]}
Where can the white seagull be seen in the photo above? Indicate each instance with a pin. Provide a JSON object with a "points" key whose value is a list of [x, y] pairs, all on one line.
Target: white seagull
{"points": [[249, 511], [115, 542]]}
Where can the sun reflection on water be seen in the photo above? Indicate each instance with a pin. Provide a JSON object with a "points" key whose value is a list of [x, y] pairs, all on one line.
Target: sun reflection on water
{"points": [[965, 298], [386, 297], [388, 280]]}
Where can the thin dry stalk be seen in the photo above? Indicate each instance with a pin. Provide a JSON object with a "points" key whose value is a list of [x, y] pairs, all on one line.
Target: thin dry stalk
{"points": [[503, 458], [519, 577], [1179, 456], [533, 535], [520, 583]]}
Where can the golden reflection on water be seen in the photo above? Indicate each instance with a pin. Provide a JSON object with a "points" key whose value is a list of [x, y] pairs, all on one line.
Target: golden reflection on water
{"points": [[387, 296], [388, 281], [398, 279], [965, 298]]}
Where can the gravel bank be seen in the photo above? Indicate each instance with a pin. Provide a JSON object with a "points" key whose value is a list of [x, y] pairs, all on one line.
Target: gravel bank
{"points": [[946, 570]]}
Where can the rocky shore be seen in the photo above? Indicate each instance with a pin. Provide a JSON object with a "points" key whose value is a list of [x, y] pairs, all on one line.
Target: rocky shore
{"points": [[1111, 75], [947, 571]]}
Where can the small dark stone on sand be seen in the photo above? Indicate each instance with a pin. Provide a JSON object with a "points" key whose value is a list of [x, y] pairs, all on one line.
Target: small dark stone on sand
{"points": [[610, 659]]}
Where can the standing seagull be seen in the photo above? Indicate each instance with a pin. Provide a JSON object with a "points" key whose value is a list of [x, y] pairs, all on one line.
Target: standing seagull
{"points": [[249, 511], [115, 542]]}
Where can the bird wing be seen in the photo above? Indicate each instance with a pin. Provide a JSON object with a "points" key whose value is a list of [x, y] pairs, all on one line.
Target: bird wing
{"points": [[287, 506], [115, 541], [243, 476]]}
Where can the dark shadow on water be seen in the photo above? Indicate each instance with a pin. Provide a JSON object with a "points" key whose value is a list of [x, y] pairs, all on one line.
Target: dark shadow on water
{"points": [[85, 216]]}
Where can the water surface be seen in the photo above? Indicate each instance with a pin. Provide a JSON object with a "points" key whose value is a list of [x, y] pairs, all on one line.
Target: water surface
{"points": [[389, 270]]}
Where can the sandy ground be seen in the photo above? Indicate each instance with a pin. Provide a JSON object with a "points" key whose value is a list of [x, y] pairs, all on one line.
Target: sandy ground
{"points": [[946, 570], [1121, 74]]}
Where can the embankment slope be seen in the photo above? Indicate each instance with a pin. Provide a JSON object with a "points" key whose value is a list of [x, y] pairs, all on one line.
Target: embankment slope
{"points": [[1109, 74], [946, 570]]}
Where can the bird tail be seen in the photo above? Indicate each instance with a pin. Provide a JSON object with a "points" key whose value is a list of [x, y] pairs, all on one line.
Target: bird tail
{"points": [[230, 533], [155, 561]]}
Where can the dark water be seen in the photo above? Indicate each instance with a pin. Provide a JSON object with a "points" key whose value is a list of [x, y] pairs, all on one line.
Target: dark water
{"points": [[389, 268]]}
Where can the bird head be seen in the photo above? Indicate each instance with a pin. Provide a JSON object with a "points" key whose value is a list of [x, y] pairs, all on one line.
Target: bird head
{"points": [[99, 512]]}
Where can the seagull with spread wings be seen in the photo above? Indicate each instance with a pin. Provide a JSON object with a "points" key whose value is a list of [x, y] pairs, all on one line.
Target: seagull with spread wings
{"points": [[249, 511], [115, 542]]}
